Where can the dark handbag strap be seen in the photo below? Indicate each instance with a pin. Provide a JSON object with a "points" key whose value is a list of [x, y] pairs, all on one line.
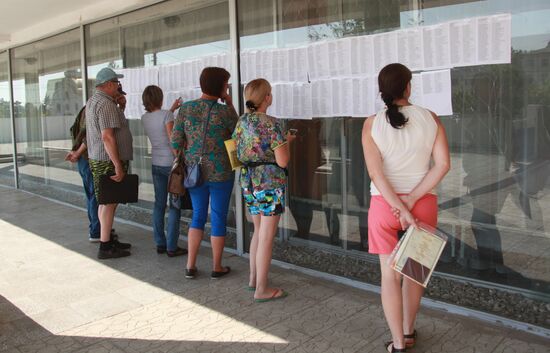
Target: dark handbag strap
{"points": [[204, 130], [259, 163]]}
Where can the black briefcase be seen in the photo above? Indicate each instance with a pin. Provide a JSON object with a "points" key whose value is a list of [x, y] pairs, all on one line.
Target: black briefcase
{"points": [[111, 191]]}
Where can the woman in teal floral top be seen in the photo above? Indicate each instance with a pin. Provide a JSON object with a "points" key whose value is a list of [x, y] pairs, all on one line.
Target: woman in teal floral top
{"points": [[215, 167], [263, 149]]}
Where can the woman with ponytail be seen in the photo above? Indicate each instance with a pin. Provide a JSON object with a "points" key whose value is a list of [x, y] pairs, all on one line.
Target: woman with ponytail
{"points": [[263, 149], [400, 143]]}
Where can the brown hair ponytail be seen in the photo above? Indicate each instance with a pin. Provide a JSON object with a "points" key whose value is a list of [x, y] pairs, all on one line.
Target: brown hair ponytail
{"points": [[392, 82]]}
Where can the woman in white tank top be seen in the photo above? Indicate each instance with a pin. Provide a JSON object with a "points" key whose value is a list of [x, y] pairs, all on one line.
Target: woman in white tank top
{"points": [[400, 143]]}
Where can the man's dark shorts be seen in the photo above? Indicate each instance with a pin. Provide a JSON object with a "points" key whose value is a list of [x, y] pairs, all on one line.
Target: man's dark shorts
{"points": [[100, 168]]}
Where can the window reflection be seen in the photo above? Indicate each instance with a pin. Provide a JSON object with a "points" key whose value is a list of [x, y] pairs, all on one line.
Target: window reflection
{"points": [[47, 90], [178, 33], [492, 201], [314, 185]]}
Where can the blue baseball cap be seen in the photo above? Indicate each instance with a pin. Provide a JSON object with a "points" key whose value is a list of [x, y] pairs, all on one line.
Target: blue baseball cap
{"points": [[105, 75]]}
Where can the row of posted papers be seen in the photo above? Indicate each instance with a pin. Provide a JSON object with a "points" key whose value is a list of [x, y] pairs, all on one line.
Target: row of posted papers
{"points": [[339, 77]]}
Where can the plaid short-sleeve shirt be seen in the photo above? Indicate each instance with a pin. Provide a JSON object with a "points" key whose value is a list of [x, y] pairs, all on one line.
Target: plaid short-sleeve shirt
{"points": [[103, 113]]}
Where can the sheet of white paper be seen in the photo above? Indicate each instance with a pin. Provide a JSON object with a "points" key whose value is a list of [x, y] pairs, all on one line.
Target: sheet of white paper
{"points": [[196, 69], [362, 96], [264, 61], [494, 39], [362, 58], [318, 60], [277, 103], [463, 39], [244, 60], [288, 100], [297, 65], [483, 40], [340, 57], [436, 92], [437, 50], [416, 90], [321, 98], [312, 69], [301, 108], [249, 66], [225, 61], [373, 95], [134, 107], [346, 105], [279, 67], [298, 100], [252, 69], [410, 49], [333, 59], [336, 97], [135, 80], [359, 98], [385, 49]]}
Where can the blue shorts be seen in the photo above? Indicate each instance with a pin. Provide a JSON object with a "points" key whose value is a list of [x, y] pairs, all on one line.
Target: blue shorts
{"points": [[269, 202], [218, 194]]}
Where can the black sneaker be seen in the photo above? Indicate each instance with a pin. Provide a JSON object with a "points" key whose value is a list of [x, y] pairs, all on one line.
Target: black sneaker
{"points": [[112, 253], [161, 249], [119, 245], [190, 273], [178, 252]]}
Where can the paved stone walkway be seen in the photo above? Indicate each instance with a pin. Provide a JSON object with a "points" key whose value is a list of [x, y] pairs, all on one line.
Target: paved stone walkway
{"points": [[55, 296]]}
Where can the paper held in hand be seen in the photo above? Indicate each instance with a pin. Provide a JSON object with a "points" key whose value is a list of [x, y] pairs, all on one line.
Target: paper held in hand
{"points": [[417, 253], [231, 147]]}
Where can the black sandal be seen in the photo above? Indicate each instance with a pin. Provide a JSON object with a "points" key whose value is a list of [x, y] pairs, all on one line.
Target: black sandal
{"points": [[219, 274], [411, 339], [393, 349]]}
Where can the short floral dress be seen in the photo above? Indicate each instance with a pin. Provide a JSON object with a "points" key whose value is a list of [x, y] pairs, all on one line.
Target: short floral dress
{"points": [[263, 182]]}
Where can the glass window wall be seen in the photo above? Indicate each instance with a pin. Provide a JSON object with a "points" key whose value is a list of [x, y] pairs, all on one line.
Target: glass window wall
{"points": [[171, 48], [491, 202], [47, 92]]}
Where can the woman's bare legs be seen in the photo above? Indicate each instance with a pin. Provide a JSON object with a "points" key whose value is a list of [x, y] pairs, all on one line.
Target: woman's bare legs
{"points": [[412, 295], [194, 238], [218, 244], [392, 301], [266, 234], [253, 250]]}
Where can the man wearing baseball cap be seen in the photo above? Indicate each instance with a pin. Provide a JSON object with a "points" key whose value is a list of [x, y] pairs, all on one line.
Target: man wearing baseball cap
{"points": [[109, 144]]}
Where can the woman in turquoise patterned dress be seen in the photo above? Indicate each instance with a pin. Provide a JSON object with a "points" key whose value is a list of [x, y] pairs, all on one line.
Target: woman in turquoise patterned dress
{"points": [[263, 149], [217, 175]]}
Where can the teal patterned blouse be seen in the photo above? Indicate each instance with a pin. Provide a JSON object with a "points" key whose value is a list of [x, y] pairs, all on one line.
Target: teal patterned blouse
{"points": [[257, 136], [187, 135]]}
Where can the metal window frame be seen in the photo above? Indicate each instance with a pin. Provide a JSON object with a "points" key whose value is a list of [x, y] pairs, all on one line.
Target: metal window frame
{"points": [[12, 117], [237, 102], [83, 64]]}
